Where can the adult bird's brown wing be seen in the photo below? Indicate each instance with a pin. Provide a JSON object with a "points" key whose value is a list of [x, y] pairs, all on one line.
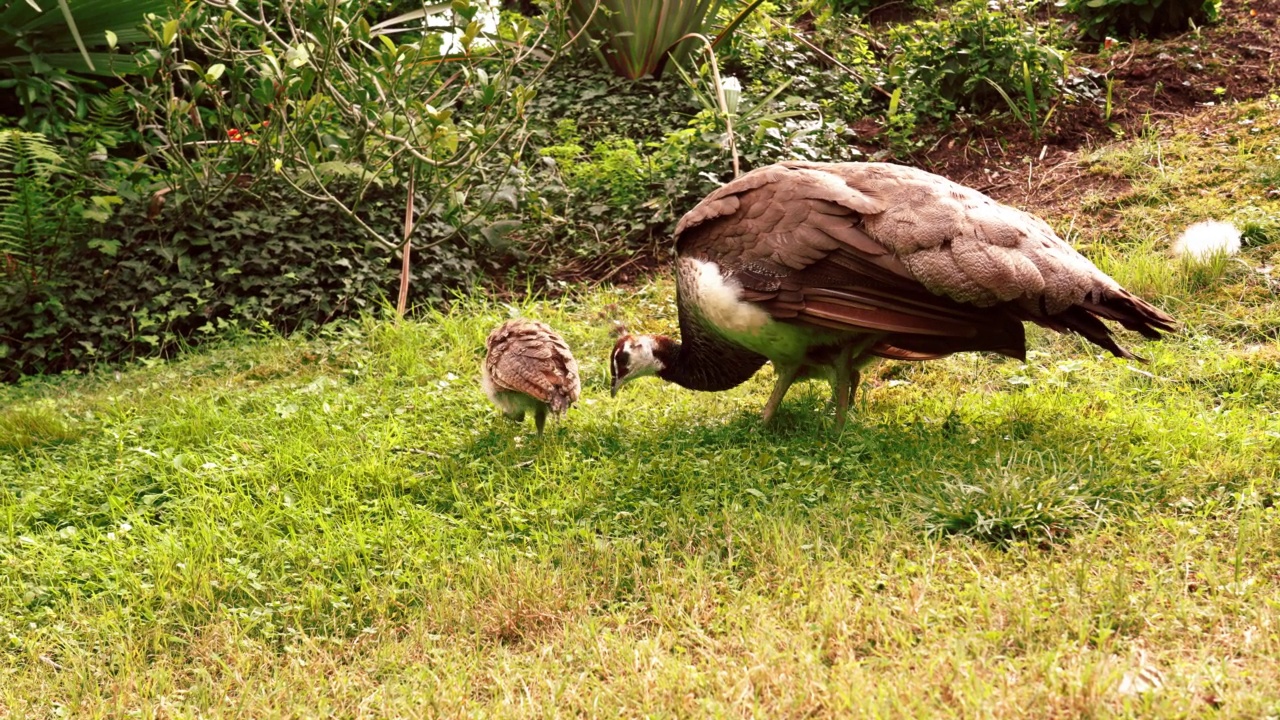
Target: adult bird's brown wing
{"points": [[795, 241], [875, 247]]}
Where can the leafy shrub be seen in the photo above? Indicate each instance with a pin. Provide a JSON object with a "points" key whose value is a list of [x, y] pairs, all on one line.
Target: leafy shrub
{"points": [[1130, 18], [818, 97], [615, 170], [320, 96], [601, 104], [766, 56], [591, 193], [223, 255], [864, 7], [769, 127], [609, 199], [155, 283], [980, 57]]}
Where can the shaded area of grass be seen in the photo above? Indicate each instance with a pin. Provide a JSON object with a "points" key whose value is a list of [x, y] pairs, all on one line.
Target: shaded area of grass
{"points": [[30, 427], [343, 526]]}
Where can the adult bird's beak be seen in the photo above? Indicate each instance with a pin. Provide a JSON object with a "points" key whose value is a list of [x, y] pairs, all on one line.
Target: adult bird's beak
{"points": [[613, 389]]}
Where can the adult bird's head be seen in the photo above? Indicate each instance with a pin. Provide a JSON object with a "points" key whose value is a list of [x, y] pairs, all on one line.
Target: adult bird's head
{"points": [[637, 356]]}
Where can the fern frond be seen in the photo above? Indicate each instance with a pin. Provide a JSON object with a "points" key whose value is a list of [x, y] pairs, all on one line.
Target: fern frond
{"points": [[27, 162], [111, 110], [27, 154], [8, 159]]}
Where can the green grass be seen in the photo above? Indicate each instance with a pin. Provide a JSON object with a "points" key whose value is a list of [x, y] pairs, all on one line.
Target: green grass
{"points": [[342, 526]]}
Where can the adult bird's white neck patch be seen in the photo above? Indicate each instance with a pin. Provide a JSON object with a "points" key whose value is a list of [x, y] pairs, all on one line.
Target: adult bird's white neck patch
{"points": [[719, 298], [644, 356]]}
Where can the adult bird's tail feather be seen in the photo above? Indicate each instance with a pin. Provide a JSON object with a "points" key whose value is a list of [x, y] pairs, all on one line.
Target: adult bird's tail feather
{"points": [[1131, 312]]}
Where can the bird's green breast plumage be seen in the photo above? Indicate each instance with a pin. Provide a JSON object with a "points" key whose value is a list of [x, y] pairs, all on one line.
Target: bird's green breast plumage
{"points": [[717, 304]]}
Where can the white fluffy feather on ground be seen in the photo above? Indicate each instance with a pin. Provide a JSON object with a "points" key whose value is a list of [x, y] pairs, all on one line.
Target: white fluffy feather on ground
{"points": [[1206, 238]]}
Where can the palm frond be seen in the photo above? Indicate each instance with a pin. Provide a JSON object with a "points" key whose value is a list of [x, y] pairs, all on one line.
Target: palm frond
{"points": [[62, 32]]}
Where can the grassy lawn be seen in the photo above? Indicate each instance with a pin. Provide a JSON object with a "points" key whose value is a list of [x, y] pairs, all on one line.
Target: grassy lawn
{"points": [[342, 525]]}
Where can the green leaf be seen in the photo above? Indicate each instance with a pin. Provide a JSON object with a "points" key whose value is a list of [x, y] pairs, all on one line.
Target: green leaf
{"points": [[168, 32], [107, 247], [214, 72], [298, 55], [75, 32], [265, 91]]}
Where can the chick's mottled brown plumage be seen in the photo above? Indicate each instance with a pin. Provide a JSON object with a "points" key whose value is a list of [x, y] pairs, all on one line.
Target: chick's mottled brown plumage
{"points": [[822, 267], [528, 367]]}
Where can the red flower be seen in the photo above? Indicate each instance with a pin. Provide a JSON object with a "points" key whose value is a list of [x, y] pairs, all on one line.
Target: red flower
{"points": [[234, 135]]}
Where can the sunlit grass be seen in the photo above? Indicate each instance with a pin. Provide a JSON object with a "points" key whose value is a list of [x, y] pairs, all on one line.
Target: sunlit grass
{"points": [[342, 526]]}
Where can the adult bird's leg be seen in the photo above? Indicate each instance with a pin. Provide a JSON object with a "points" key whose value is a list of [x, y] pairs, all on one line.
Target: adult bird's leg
{"points": [[847, 380], [540, 419], [786, 376], [847, 366]]}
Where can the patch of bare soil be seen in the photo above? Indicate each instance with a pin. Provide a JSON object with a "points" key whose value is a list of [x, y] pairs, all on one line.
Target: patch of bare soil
{"points": [[1154, 81]]}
